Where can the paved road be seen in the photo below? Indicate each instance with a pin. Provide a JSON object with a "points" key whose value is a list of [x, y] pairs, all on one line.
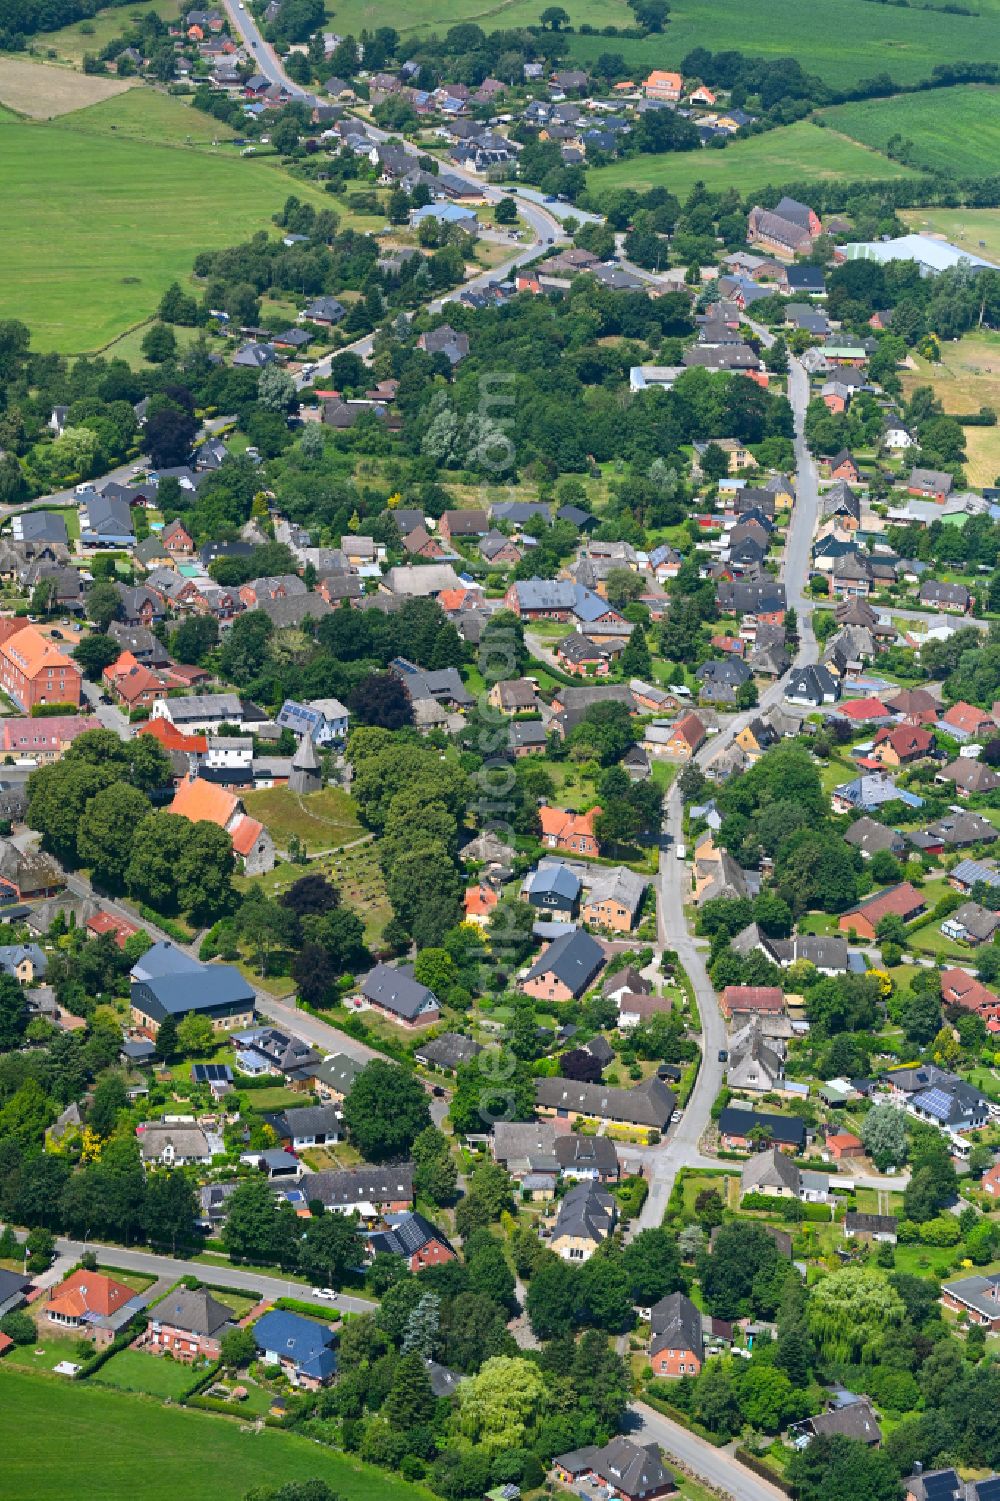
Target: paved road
{"points": [[715, 1466], [240, 1279], [110, 716], [681, 1147]]}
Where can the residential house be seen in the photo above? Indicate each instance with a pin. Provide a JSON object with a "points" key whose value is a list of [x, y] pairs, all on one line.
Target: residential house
{"points": [[553, 888], [677, 1341], [395, 994], [622, 1469], [871, 1228], [740, 1124], [566, 968], [305, 1350], [189, 1325], [411, 1236], [448, 1051], [869, 837], [958, 988], [91, 1306], [756, 1000], [971, 924], [370, 1192], [33, 670], [307, 1126], [647, 1106], [615, 899], [170, 1145], [572, 832], [587, 1216], [930, 484], [902, 900]]}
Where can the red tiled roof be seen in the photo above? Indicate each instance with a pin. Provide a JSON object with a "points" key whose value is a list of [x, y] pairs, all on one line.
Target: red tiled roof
{"points": [[690, 729], [479, 900], [89, 1292], [863, 708], [246, 834], [204, 802], [753, 998], [171, 738], [902, 900], [963, 716]]}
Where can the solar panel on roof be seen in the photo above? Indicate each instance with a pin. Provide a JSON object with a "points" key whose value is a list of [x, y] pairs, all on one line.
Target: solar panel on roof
{"points": [[936, 1102], [989, 1489], [940, 1487]]}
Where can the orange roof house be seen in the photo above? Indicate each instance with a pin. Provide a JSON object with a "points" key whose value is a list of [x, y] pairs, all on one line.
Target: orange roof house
{"points": [[662, 85], [173, 739], [479, 903], [902, 744], [573, 832], [86, 1293], [132, 683], [844, 1144], [206, 802], [33, 670], [901, 900], [738, 999], [967, 718]]}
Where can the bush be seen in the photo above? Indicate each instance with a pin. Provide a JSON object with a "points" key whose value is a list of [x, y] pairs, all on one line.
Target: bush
{"points": [[19, 1327]]}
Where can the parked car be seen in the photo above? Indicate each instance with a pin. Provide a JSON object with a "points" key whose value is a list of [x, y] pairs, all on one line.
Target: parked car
{"points": [[325, 1292]]}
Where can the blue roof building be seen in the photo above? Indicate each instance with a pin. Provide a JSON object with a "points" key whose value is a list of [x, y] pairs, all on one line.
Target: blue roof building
{"points": [[305, 1350], [553, 888], [324, 720]]}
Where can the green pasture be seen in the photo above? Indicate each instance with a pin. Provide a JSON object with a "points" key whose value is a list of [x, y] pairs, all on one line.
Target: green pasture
{"points": [[944, 130]]}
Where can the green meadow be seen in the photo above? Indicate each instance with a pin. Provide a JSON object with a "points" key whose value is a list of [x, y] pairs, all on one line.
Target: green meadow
{"points": [[72, 1439], [794, 153], [96, 226]]}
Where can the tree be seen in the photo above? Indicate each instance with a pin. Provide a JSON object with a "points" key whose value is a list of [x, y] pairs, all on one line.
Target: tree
{"points": [[19, 1327], [410, 1400], [506, 211], [497, 1404], [314, 973], [422, 1327], [767, 1396], [104, 842], [13, 1014], [920, 1016], [239, 1348], [167, 1044], [852, 1313], [380, 699], [276, 390], [103, 604], [159, 344], [385, 1111], [94, 653], [635, 660], [841, 1469], [168, 436], [652, 1264], [883, 1132], [555, 1298], [328, 1248], [170, 1209], [195, 1034], [256, 1229], [435, 1176], [554, 18]]}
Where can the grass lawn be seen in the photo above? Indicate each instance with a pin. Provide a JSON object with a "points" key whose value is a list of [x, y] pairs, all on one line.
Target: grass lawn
{"points": [[240, 1306], [946, 130], [324, 820], [277, 1098], [137, 1371], [802, 152], [70, 42], [662, 774], [144, 114], [182, 1453], [967, 378], [96, 228], [41, 93], [410, 16]]}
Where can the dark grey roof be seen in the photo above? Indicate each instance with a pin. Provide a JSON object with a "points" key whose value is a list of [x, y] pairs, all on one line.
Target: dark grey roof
{"points": [[378, 1185], [448, 1050], [647, 1104], [407, 1234], [856, 1421], [396, 990], [197, 1312], [675, 1324], [575, 959]]}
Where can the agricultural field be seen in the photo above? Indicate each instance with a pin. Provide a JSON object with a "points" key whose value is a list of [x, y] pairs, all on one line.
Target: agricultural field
{"points": [[415, 16], [945, 130], [967, 378], [842, 41], [180, 1453], [145, 114], [975, 229], [802, 152], [69, 43], [42, 93], [96, 228]]}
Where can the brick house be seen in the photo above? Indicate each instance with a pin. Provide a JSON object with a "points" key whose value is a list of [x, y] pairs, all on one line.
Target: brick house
{"points": [[902, 745], [189, 1325], [677, 1342], [843, 466], [90, 1305], [567, 968], [990, 1181], [685, 737], [177, 540], [903, 901], [414, 1238], [572, 832], [134, 685], [33, 671], [961, 989]]}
